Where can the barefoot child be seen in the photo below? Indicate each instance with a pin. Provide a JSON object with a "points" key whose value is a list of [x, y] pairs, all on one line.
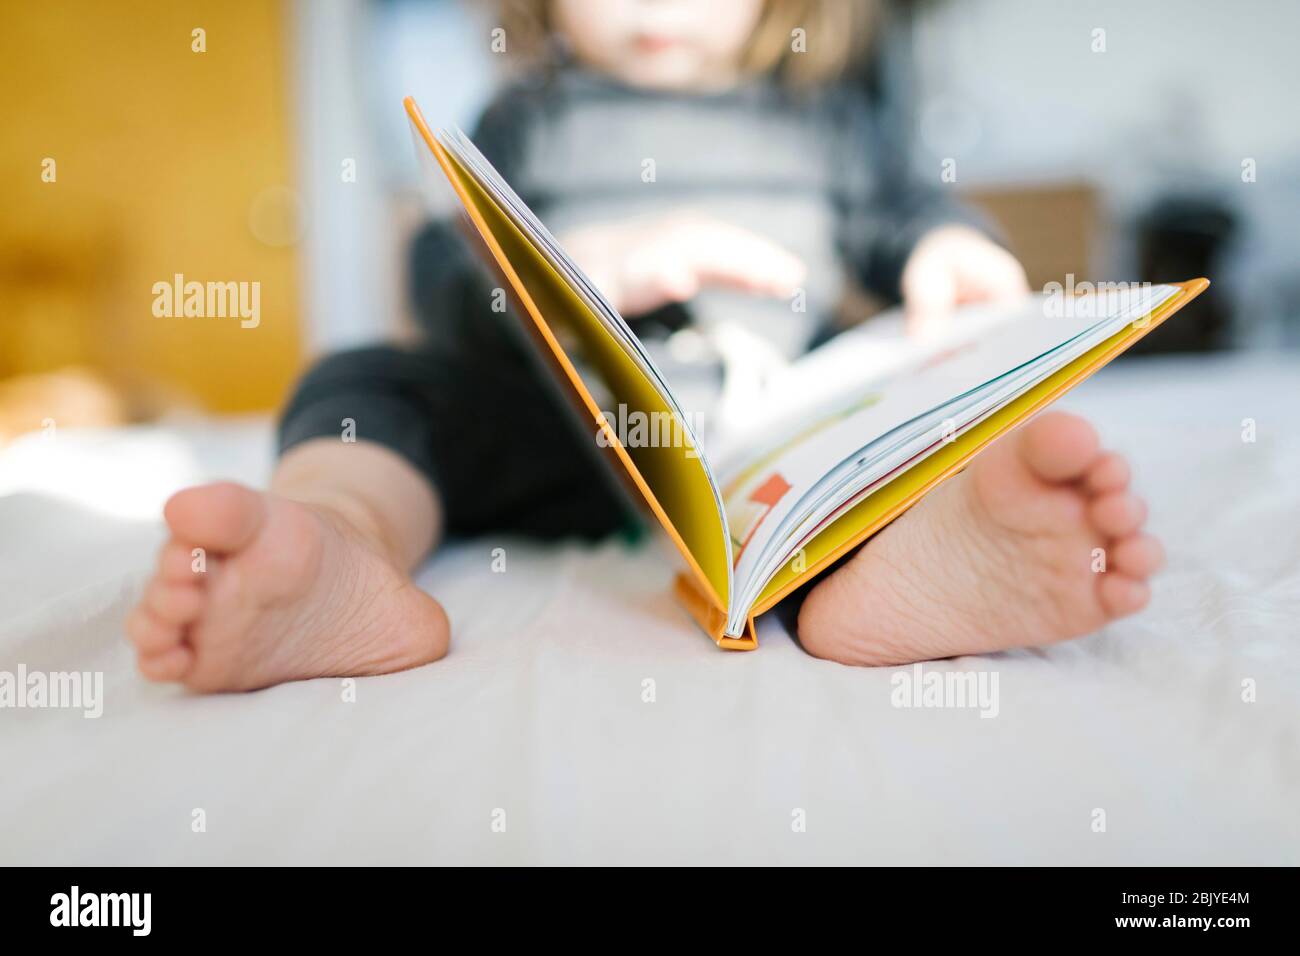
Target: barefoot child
{"points": [[770, 174]]}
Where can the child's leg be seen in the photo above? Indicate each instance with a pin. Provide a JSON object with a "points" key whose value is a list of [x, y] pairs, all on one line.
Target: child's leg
{"points": [[310, 579], [1037, 541]]}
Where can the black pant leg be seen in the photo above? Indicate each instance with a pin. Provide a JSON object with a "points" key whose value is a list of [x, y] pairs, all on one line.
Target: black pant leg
{"points": [[490, 432]]}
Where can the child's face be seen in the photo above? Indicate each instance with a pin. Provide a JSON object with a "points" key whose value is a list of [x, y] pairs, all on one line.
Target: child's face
{"points": [[663, 44]]}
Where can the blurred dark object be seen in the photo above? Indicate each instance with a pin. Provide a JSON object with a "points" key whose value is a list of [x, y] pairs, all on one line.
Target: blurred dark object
{"points": [[1183, 237]]}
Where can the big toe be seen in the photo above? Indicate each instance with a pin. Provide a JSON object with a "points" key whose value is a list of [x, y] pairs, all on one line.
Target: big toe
{"points": [[1059, 446], [223, 516]]}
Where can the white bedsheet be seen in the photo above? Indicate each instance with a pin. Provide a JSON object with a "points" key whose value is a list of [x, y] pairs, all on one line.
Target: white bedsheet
{"points": [[539, 711]]}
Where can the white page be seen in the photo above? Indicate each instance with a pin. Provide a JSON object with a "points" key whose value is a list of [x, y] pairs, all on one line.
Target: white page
{"points": [[829, 377]]}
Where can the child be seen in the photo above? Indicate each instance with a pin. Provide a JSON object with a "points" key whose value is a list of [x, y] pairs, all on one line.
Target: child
{"points": [[769, 175]]}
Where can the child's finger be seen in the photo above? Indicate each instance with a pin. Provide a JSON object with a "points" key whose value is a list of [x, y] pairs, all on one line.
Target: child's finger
{"points": [[730, 256], [993, 275], [655, 277], [929, 296]]}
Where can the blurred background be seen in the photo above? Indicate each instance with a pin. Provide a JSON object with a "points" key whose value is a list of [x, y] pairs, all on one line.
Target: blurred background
{"points": [[264, 140]]}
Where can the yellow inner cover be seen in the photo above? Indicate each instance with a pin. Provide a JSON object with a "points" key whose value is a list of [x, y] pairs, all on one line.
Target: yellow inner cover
{"points": [[671, 478]]}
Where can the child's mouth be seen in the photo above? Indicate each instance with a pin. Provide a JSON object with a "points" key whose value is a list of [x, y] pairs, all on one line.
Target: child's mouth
{"points": [[655, 43]]}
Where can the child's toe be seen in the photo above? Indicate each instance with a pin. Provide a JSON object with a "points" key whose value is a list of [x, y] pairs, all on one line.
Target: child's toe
{"points": [[177, 563], [1059, 446], [1138, 556], [148, 634], [1121, 595], [174, 604], [169, 665], [1109, 473], [1118, 514]]}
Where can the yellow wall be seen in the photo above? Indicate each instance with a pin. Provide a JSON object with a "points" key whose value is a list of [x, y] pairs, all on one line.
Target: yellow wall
{"points": [[161, 156]]}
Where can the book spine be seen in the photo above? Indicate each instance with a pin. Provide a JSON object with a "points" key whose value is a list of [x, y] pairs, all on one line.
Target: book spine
{"points": [[711, 618]]}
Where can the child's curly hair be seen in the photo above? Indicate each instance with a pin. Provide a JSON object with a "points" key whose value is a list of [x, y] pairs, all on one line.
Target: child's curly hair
{"points": [[834, 34]]}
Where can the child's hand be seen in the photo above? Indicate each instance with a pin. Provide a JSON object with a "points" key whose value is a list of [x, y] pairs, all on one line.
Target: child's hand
{"points": [[952, 266], [640, 266]]}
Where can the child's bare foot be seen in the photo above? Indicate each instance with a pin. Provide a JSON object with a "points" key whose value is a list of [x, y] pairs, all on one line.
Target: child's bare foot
{"points": [[1000, 556], [288, 591]]}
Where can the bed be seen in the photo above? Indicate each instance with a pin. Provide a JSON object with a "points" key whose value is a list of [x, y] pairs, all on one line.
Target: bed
{"points": [[581, 718]]}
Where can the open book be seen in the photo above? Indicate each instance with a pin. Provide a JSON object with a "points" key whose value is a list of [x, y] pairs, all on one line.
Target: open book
{"points": [[831, 448]]}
